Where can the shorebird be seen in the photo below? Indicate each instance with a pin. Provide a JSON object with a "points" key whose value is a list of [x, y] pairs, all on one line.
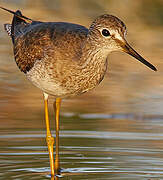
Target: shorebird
{"points": [[65, 59]]}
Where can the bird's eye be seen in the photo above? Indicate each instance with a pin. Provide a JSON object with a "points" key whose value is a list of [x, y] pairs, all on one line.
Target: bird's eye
{"points": [[105, 33]]}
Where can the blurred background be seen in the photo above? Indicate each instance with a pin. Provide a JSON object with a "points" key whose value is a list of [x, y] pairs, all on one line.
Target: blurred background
{"points": [[129, 99]]}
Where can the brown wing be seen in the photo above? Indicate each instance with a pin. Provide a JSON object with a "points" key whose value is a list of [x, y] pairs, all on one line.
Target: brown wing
{"points": [[47, 40]]}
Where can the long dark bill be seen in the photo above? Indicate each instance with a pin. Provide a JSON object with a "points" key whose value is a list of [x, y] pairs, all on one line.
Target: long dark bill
{"points": [[129, 50]]}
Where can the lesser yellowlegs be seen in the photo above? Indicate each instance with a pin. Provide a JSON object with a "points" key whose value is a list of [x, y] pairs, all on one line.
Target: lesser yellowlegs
{"points": [[65, 59]]}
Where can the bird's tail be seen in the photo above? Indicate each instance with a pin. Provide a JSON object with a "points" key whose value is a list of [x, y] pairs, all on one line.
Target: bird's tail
{"points": [[18, 15], [18, 19]]}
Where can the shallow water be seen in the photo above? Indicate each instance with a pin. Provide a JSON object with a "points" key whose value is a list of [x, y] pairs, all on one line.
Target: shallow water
{"points": [[84, 153], [87, 152], [94, 147], [112, 132]]}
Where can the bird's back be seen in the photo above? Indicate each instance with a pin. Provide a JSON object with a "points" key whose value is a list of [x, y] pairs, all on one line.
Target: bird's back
{"points": [[38, 40], [56, 41]]}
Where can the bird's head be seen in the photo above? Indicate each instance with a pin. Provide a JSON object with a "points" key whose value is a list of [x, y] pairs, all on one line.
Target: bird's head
{"points": [[108, 33]]}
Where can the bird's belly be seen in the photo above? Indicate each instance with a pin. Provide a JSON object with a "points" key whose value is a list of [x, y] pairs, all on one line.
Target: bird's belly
{"points": [[50, 87], [53, 87], [43, 79], [51, 82]]}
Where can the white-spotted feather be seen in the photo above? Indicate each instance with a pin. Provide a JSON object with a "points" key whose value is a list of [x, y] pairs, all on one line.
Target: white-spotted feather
{"points": [[8, 28]]}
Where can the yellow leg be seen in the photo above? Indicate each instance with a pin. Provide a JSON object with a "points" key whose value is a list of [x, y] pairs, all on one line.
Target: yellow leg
{"points": [[57, 110], [49, 138]]}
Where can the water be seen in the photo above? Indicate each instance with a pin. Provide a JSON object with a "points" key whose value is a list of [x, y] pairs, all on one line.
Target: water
{"points": [[118, 147], [112, 132], [86, 151]]}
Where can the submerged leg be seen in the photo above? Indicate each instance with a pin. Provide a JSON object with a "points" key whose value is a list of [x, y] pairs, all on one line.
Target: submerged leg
{"points": [[57, 109], [49, 138]]}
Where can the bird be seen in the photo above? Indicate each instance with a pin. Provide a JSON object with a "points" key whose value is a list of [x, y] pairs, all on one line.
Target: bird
{"points": [[65, 59]]}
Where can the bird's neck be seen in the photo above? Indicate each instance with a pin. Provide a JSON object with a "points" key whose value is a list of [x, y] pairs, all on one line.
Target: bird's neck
{"points": [[91, 67], [91, 55]]}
